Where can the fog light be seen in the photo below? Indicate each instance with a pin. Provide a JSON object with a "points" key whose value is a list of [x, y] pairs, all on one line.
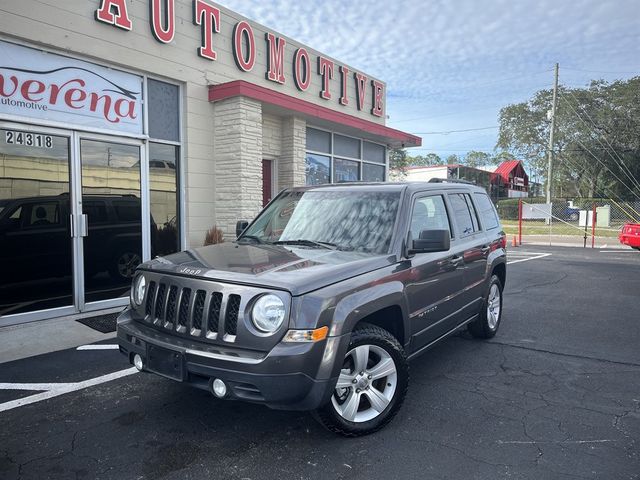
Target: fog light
{"points": [[219, 388], [137, 362]]}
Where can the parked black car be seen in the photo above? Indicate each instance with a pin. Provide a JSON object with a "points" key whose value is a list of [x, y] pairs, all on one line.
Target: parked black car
{"points": [[35, 236], [323, 299]]}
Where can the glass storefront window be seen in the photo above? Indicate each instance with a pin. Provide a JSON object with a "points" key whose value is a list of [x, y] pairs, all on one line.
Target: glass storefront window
{"points": [[348, 159], [372, 173], [345, 170], [163, 182], [35, 241], [318, 140], [346, 146], [317, 169], [372, 152], [164, 114]]}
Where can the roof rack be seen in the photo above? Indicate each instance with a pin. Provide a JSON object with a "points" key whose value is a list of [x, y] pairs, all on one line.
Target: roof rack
{"points": [[450, 180]]}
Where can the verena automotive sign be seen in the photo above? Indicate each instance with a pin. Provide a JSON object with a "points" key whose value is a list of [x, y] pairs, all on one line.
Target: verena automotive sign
{"points": [[50, 87]]}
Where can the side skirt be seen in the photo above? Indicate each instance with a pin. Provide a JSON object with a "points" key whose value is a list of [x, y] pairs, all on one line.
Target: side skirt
{"points": [[441, 337]]}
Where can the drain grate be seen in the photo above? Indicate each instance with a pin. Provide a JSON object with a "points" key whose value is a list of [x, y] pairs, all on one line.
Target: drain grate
{"points": [[102, 323]]}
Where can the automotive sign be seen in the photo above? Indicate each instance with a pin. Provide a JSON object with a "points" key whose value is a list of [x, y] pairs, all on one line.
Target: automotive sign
{"points": [[50, 87]]}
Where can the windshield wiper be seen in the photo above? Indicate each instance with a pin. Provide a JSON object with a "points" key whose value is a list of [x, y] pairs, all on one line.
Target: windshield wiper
{"points": [[252, 237], [307, 243]]}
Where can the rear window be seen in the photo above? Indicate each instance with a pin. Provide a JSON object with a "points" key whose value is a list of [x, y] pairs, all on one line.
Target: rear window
{"points": [[463, 215], [487, 211]]}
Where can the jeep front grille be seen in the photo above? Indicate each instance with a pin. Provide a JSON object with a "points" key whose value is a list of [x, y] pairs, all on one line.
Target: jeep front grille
{"points": [[231, 317], [192, 312]]}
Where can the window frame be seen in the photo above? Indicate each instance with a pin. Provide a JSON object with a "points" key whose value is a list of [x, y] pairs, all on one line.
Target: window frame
{"points": [[481, 216], [421, 195], [461, 235], [361, 162]]}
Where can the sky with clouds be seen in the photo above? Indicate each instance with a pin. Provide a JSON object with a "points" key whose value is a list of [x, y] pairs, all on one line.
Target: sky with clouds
{"points": [[451, 65]]}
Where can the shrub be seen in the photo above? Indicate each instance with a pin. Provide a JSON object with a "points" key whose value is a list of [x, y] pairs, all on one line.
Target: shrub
{"points": [[213, 236]]}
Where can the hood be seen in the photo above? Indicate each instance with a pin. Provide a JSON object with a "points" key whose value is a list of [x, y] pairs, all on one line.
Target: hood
{"points": [[295, 269]]}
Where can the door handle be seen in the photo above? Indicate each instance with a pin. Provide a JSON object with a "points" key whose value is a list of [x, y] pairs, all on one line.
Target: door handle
{"points": [[84, 225], [452, 263], [72, 226], [485, 249]]}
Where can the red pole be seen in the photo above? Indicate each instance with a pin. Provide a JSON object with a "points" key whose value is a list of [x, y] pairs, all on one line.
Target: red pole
{"points": [[593, 227], [519, 221]]}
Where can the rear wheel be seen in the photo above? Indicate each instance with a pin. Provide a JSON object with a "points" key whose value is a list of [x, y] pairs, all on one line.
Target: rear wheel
{"points": [[488, 322], [371, 387]]}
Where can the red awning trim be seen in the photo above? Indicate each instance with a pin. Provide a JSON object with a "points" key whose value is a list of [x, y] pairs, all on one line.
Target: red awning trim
{"points": [[241, 88]]}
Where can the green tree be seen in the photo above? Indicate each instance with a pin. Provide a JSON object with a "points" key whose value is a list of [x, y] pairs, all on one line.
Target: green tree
{"points": [[597, 139], [477, 159], [425, 161], [398, 162], [452, 160]]}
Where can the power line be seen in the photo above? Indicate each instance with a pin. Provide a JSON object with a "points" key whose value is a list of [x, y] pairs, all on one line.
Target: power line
{"points": [[620, 162], [626, 172], [447, 132]]}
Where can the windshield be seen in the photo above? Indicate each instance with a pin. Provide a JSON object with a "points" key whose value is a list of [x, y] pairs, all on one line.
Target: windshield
{"points": [[354, 221]]}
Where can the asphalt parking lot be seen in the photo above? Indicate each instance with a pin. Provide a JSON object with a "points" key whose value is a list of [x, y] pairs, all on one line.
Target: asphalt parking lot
{"points": [[555, 395]]}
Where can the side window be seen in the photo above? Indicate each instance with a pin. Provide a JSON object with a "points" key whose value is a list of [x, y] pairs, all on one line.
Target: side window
{"points": [[474, 213], [462, 214], [42, 215], [429, 213], [487, 211]]}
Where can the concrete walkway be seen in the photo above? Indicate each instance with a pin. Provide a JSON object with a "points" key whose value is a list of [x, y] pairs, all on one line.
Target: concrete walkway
{"points": [[44, 336]]}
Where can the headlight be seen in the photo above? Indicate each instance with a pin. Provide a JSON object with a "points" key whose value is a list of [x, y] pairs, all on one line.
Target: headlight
{"points": [[268, 313], [139, 287]]}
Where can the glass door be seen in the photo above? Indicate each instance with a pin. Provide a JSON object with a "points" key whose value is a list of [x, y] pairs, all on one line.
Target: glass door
{"points": [[36, 247], [111, 225]]}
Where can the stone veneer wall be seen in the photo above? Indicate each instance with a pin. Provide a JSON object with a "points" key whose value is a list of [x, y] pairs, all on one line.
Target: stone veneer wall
{"points": [[292, 160], [238, 162]]}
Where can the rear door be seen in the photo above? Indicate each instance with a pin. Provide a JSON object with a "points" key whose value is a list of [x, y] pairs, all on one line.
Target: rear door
{"points": [[472, 245], [435, 280]]}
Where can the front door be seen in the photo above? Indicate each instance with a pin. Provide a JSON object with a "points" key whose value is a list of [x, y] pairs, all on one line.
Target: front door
{"points": [[436, 279], [71, 223], [36, 254], [111, 223]]}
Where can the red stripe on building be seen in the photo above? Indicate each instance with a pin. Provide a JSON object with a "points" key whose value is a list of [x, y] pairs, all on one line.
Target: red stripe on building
{"points": [[240, 88]]}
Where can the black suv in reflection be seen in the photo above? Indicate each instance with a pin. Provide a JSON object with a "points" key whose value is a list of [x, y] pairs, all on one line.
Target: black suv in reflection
{"points": [[35, 239], [323, 298]]}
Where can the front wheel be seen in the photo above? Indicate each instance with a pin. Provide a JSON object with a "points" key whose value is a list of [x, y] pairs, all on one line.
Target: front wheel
{"points": [[488, 321], [371, 387]]}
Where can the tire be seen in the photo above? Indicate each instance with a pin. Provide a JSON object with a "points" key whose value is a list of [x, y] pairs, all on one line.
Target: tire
{"points": [[383, 355], [573, 217], [123, 265], [488, 322]]}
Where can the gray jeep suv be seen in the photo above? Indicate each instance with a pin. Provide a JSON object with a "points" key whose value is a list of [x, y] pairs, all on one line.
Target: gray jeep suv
{"points": [[322, 300]]}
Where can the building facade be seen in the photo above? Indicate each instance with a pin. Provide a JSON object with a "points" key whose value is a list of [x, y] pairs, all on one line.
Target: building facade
{"points": [[128, 129]]}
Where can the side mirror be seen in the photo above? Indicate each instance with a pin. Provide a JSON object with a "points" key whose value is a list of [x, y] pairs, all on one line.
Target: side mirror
{"points": [[240, 226], [431, 241]]}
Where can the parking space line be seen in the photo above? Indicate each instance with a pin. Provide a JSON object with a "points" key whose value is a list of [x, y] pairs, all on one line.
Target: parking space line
{"points": [[58, 388], [538, 256], [108, 346]]}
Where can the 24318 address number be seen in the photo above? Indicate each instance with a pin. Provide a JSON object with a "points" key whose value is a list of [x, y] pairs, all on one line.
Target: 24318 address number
{"points": [[28, 139]]}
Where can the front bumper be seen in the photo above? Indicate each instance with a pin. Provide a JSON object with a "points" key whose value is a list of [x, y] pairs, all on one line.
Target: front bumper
{"points": [[292, 376]]}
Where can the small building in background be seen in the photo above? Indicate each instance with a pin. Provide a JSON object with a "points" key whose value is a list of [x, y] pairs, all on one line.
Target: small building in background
{"points": [[510, 180]]}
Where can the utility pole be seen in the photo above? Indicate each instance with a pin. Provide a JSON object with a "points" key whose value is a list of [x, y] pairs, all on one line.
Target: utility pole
{"points": [[551, 132]]}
